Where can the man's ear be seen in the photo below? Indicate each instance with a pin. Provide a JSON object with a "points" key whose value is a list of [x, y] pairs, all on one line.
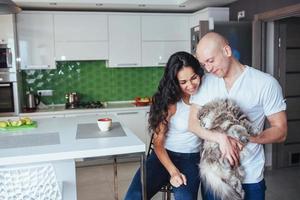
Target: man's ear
{"points": [[227, 50]]}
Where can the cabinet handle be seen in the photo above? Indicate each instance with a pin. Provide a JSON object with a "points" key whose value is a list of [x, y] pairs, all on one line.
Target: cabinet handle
{"points": [[4, 85], [127, 113], [161, 63], [127, 64], [37, 66]]}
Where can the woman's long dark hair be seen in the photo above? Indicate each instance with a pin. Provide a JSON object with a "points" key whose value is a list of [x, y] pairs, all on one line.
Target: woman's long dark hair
{"points": [[169, 91]]}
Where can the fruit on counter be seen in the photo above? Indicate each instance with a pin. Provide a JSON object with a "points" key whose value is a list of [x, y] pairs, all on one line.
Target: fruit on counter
{"points": [[3, 124], [15, 123], [26, 120], [142, 99]]}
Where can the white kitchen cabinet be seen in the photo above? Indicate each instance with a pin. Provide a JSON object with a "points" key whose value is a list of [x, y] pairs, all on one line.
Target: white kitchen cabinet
{"points": [[7, 36], [163, 35], [165, 27], [36, 40], [81, 36], [81, 50], [210, 14], [75, 27], [158, 53], [7, 31], [124, 40], [135, 120]]}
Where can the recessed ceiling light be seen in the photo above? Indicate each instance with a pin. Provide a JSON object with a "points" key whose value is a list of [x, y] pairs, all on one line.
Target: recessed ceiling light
{"points": [[99, 4], [53, 4]]}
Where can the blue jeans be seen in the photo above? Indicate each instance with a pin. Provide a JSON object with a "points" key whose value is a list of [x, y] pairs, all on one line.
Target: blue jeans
{"points": [[253, 191], [157, 176]]}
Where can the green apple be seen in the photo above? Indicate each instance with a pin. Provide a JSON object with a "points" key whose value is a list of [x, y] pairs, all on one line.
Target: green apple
{"points": [[8, 122], [3, 124], [26, 120]]}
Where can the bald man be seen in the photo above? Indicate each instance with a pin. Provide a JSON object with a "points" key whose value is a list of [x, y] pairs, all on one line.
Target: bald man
{"points": [[259, 96]]}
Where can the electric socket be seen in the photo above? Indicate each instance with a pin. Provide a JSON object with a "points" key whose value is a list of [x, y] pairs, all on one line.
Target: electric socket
{"points": [[45, 92], [241, 14]]}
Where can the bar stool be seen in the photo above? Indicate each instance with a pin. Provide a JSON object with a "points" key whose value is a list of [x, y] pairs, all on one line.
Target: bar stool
{"points": [[167, 189]]}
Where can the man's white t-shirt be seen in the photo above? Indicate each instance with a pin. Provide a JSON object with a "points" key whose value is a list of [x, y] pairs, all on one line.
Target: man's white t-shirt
{"points": [[258, 95]]}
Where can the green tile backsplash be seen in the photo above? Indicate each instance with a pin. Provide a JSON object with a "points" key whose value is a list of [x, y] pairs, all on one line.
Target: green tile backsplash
{"points": [[93, 81]]}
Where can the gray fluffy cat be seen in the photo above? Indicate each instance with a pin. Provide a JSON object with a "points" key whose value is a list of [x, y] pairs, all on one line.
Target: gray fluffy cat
{"points": [[226, 117]]}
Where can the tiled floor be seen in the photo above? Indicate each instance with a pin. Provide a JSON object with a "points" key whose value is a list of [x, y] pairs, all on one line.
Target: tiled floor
{"points": [[96, 182]]}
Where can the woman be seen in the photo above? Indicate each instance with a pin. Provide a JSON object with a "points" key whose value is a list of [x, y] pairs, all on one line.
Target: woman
{"points": [[176, 151]]}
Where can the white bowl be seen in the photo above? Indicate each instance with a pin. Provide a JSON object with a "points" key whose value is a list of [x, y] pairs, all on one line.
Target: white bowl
{"points": [[104, 124]]}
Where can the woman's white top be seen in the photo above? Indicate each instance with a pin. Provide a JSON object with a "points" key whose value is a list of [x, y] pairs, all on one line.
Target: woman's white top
{"points": [[178, 138]]}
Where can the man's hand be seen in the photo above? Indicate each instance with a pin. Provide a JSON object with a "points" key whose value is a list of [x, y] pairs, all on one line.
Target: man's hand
{"points": [[230, 149], [177, 179]]}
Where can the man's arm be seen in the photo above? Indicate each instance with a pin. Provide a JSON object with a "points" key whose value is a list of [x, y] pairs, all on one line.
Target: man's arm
{"points": [[277, 131], [228, 146]]}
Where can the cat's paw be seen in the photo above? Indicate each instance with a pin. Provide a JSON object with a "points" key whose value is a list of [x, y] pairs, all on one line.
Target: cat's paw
{"points": [[244, 139]]}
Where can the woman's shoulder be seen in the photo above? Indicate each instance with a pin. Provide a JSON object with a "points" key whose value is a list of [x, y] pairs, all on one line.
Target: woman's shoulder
{"points": [[172, 109]]}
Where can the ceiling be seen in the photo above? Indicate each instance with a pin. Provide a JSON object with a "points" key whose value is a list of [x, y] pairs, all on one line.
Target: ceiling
{"points": [[184, 6]]}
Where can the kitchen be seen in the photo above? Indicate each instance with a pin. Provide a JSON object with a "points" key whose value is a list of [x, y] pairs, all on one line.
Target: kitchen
{"points": [[113, 76]]}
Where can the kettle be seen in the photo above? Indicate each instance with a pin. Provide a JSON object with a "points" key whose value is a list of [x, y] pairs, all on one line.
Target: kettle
{"points": [[32, 100]]}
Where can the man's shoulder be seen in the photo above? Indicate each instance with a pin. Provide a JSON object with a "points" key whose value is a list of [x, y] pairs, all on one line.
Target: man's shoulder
{"points": [[259, 75]]}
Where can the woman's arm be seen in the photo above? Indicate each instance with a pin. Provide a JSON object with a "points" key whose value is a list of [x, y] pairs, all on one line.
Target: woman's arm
{"points": [[229, 147], [177, 178]]}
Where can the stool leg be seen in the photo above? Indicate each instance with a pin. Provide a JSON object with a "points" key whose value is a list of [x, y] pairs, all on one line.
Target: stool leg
{"points": [[164, 195], [115, 179], [168, 194]]}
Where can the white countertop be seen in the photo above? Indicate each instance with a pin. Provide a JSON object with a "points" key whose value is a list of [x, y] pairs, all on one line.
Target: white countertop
{"points": [[110, 107], [69, 147]]}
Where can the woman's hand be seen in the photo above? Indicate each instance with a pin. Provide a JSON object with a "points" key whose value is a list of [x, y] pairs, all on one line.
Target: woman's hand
{"points": [[177, 179], [230, 149]]}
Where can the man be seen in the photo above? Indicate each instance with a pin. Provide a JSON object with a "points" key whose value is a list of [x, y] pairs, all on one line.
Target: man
{"points": [[259, 96]]}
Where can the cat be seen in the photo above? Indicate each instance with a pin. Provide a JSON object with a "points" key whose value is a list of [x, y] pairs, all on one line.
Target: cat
{"points": [[223, 115]]}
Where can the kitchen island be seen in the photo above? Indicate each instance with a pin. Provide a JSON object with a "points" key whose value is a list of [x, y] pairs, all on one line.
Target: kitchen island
{"points": [[61, 140]]}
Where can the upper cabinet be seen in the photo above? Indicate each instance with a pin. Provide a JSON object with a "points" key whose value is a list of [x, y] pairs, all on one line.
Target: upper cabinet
{"points": [[165, 27], [163, 35], [7, 36], [210, 14], [7, 31], [157, 53], [124, 40], [36, 40], [81, 36]]}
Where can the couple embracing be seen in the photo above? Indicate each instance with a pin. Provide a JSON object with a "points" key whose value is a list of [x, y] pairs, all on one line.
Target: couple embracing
{"points": [[177, 133]]}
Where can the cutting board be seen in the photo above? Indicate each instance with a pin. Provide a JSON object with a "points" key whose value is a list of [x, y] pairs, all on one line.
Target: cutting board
{"points": [[22, 127]]}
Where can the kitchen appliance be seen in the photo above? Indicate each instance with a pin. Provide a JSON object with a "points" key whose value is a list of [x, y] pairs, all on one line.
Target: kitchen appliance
{"points": [[6, 97], [5, 56], [72, 100], [32, 101], [8, 94]]}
